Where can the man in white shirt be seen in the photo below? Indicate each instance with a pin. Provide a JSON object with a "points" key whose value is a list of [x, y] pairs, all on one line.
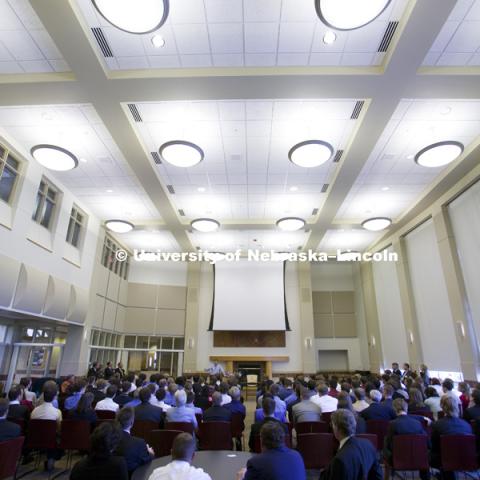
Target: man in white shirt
{"points": [[324, 400], [361, 404], [180, 467], [107, 403]]}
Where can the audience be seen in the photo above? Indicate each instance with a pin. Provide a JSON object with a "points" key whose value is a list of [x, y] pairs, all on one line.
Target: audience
{"points": [[473, 413], [345, 402], [360, 403], [217, 413], [377, 410], [191, 403], [78, 389], [8, 430], [16, 410], [158, 400], [306, 410], [465, 397], [416, 403], [123, 398], [433, 401], [84, 409], [107, 403], [181, 413], [146, 411], [236, 406], [326, 402]]}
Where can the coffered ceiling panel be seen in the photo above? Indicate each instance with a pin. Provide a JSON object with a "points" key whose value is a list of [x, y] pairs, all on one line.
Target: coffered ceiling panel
{"points": [[242, 33], [347, 239], [150, 240]]}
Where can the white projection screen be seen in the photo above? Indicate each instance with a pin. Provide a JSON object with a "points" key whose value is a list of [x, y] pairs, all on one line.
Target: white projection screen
{"points": [[249, 295]]}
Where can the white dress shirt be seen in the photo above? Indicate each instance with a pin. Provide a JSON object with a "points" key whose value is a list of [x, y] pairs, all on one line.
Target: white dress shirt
{"points": [[46, 411], [161, 404], [325, 402], [360, 405], [179, 470], [107, 404], [226, 399]]}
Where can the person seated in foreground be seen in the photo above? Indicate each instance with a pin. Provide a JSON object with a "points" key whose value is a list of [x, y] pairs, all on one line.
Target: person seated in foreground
{"points": [[84, 410], [217, 413], [403, 425], [276, 462], [16, 410], [8, 430], [236, 406], [146, 411], [356, 458], [101, 464], [181, 413], [158, 400], [306, 411], [107, 403], [377, 410]]}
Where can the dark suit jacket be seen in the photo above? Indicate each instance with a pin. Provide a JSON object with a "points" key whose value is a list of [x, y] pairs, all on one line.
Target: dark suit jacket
{"points": [[110, 468], [356, 460], [446, 426], [217, 414], [148, 412], [122, 399], [89, 416], [134, 450], [256, 427], [19, 411], [471, 413], [378, 411], [402, 425], [236, 406], [277, 464], [9, 430]]}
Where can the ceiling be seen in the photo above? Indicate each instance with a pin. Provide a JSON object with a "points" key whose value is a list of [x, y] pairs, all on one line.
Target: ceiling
{"points": [[245, 80]]}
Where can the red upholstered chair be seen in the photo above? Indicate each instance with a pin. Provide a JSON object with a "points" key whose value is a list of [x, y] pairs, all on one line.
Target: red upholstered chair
{"points": [[316, 449], [326, 417], [458, 453], [42, 435], [378, 428], [371, 437], [182, 426], [410, 453], [142, 428], [215, 436], [311, 427], [237, 425], [161, 441], [10, 452], [105, 414]]}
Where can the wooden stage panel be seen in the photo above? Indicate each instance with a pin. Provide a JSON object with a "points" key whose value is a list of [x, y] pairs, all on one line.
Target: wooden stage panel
{"points": [[259, 339]]}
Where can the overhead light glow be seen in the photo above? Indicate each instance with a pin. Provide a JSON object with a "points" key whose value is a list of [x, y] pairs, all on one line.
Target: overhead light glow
{"points": [[201, 189], [158, 41], [439, 154], [376, 224], [119, 226], [205, 225], [290, 224], [349, 14], [329, 37], [215, 256], [134, 16], [54, 158], [311, 153], [293, 189], [349, 256], [181, 153]]}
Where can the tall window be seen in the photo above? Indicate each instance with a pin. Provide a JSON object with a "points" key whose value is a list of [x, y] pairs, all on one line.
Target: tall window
{"points": [[76, 226], [9, 168], [45, 204], [110, 261]]}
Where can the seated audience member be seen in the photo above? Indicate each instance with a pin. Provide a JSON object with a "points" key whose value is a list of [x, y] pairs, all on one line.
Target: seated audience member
{"points": [[268, 407], [465, 397], [387, 395], [158, 400], [190, 403], [450, 424], [84, 409], [120, 371], [8, 430], [67, 384], [181, 413], [356, 458], [437, 386], [226, 398], [259, 411], [305, 410], [360, 404], [217, 413], [16, 410], [286, 389], [236, 406], [280, 405], [447, 387], [345, 402], [433, 401], [101, 463], [170, 395], [123, 398], [324, 400], [180, 468], [135, 451], [333, 384], [276, 462], [472, 413], [107, 403], [293, 395], [416, 403], [424, 375], [402, 425], [146, 411], [27, 395], [78, 390], [377, 410], [100, 390]]}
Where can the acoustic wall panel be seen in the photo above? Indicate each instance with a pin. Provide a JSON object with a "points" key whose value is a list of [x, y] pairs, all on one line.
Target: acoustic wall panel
{"points": [[10, 269], [109, 315], [171, 297], [140, 320], [31, 290], [142, 295], [79, 299], [57, 299], [170, 322], [113, 286]]}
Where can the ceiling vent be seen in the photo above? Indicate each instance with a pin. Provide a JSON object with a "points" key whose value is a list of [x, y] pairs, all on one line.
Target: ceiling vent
{"points": [[171, 189], [181, 212], [102, 42], [325, 187], [388, 36], [315, 211], [135, 113], [156, 158], [356, 111], [337, 156]]}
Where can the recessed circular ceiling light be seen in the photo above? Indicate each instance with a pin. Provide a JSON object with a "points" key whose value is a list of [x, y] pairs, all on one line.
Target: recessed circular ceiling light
{"points": [[290, 224], [349, 14], [134, 16], [215, 256], [376, 224], [439, 154], [158, 41], [311, 153], [119, 226], [205, 225], [293, 189], [54, 158], [201, 189], [181, 153], [329, 37], [385, 189], [349, 256]]}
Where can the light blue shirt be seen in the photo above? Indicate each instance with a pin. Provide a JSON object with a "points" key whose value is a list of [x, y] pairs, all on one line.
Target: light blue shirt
{"points": [[71, 402], [182, 414], [194, 408]]}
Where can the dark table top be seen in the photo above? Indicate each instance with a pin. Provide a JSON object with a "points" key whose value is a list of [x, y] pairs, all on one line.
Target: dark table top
{"points": [[220, 465]]}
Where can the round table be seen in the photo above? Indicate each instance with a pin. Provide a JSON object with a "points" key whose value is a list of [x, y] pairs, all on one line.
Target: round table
{"points": [[219, 464]]}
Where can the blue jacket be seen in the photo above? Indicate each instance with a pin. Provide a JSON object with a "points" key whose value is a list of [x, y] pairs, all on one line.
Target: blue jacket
{"points": [[446, 426], [276, 464], [402, 425], [235, 406], [378, 411]]}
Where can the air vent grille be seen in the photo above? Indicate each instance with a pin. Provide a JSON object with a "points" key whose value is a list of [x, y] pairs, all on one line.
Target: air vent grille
{"points": [[135, 113], [388, 36], [325, 187], [338, 156], [357, 110], [102, 42], [181, 212], [156, 158], [171, 189]]}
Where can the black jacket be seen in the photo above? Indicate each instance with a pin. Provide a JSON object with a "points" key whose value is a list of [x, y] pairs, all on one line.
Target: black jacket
{"points": [[217, 414], [9, 430], [134, 450], [148, 412], [110, 468]]}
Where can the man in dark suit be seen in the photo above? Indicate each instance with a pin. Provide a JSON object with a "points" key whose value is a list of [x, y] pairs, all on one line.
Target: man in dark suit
{"points": [[356, 458], [388, 395], [377, 410], [396, 370], [108, 372], [123, 398], [120, 371], [236, 406], [403, 425], [217, 413], [276, 462], [135, 451], [16, 410], [473, 413], [146, 411], [8, 430]]}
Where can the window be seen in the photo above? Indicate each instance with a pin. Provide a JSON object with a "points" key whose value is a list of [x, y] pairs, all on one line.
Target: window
{"points": [[9, 169], [45, 205], [76, 226], [110, 261]]}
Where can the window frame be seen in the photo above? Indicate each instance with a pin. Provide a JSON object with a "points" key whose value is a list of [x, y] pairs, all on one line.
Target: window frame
{"points": [[74, 221], [43, 197], [4, 165]]}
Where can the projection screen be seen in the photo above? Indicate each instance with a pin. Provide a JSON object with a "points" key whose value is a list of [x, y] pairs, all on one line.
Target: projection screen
{"points": [[249, 296]]}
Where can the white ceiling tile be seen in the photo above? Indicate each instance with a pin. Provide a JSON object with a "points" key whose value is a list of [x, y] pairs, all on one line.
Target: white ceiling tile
{"points": [[260, 59], [132, 62], [261, 37], [187, 12], [164, 61], [226, 37], [192, 39], [224, 11], [295, 11], [321, 59], [262, 10], [465, 38], [357, 59], [228, 60], [454, 59], [36, 66], [292, 59], [196, 60], [295, 37], [124, 44], [20, 45]]}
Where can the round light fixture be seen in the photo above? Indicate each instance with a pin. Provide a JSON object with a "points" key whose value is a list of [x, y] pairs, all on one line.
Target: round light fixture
{"points": [[133, 16], [158, 41], [215, 256], [329, 37], [311, 153], [376, 224], [349, 256], [181, 153], [205, 225], [439, 154], [54, 158], [349, 14], [119, 226], [293, 189], [290, 224]]}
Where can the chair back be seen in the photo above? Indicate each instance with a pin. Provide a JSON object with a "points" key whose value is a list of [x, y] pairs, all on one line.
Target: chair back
{"points": [[410, 452], [237, 425], [311, 427], [75, 435], [142, 428], [252, 379], [10, 452], [161, 441], [316, 449], [20, 422], [378, 428], [326, 417], [371, 437], [105, 414], [182, 426], [458, 453], [199, 417], [215, 436], [42, 434]]}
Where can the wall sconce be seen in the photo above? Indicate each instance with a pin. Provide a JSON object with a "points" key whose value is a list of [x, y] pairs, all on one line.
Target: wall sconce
{"points": [[85, 334], [191, 343], [461, 328], [308, 342], [373, 342], [411, 337]]}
